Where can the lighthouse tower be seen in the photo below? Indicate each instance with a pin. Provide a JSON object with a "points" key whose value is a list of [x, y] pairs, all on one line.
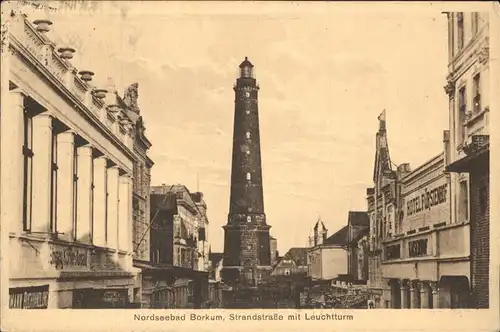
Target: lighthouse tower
{"points": [[247, 254]]}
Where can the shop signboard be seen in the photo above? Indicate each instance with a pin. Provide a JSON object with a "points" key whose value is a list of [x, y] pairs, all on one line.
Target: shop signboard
{"points": [[36, 297]]}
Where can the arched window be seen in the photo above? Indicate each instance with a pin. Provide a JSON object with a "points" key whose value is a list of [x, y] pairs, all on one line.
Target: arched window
{"points": [[249, 219]]}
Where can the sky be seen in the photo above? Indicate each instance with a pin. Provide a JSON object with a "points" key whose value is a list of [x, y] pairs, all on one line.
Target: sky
{"points": [[325, 70]]}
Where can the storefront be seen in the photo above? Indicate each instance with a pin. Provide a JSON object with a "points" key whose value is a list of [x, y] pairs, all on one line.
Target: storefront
{"points": [[56, 275], [100, 298], [166, 286], [36, 297], [426, 263]]}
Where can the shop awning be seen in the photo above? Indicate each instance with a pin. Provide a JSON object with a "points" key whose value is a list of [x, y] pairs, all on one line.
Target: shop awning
{"points": [[469, 162], [478, 152]]}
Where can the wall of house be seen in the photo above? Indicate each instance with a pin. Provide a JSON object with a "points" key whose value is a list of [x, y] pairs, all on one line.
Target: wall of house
{"points": [[334, 262], [314, 263], [480, 237]]}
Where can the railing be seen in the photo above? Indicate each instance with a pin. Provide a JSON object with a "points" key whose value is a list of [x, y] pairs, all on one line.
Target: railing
{"points": [[44, 51]]}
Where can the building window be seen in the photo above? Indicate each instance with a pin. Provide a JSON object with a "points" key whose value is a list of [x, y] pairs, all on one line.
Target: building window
{"points": [[477, 92], [463, 208], [248, 112], [248, 135], [75, 190], [249, 177], [28, 171], [248, 152], [475, 22], [462, 110], [460, 28], [53, 184], [249, 219]]}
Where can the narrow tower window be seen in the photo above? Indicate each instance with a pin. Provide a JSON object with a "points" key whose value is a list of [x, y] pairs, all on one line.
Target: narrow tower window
{"points": [[249, 177], [248, 135]]}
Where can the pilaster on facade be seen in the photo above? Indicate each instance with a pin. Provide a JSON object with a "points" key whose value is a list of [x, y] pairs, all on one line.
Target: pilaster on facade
{"points": [[66, 183], [13, 138], [85, 189], [42, 171], [100, 200], [112, 207]]}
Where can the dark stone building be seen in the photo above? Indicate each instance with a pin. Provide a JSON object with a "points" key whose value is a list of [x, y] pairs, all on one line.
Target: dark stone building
{"points": [[246, 243]]}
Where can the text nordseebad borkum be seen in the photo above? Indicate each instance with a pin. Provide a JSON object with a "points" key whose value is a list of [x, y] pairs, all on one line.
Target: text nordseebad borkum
{"points": [[242, 317]]}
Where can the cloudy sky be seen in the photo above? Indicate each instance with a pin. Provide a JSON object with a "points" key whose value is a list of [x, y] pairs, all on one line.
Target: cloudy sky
{"points": [[326, 71]]}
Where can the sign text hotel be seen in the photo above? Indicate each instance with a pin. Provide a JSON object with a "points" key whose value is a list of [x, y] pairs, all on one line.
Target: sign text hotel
{"points": [[429, 198]]}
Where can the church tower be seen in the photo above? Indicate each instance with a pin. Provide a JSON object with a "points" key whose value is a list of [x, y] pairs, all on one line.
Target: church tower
{"points": [[246, 242]]}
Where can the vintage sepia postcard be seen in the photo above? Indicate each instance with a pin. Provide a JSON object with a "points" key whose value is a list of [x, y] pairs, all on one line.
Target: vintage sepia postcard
{"points": [[261, 166]]}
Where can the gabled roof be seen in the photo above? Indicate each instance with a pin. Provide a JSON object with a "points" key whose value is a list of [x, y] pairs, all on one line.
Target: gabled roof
{"points": [[358, 218], [298, 255], [338, 238]]}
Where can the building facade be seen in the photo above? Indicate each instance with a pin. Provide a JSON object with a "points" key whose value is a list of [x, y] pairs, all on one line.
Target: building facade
{"points": [[292, 263], [171, 278], [469, 111], [381, 199], [67, 148], [419, 248], [247, 256], [141, 183], [327, 259], [358, 229], [426, 260]]}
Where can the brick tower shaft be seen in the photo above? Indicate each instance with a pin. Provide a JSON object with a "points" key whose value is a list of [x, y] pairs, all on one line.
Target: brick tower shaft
{"points": [[246, 242]]}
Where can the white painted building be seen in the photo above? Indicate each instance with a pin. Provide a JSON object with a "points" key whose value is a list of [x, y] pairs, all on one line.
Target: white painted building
{"points": [[66, 190]]}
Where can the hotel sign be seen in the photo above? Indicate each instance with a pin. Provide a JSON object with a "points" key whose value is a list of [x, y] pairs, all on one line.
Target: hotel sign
{"points": [[427, 199], [429, 204]]}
